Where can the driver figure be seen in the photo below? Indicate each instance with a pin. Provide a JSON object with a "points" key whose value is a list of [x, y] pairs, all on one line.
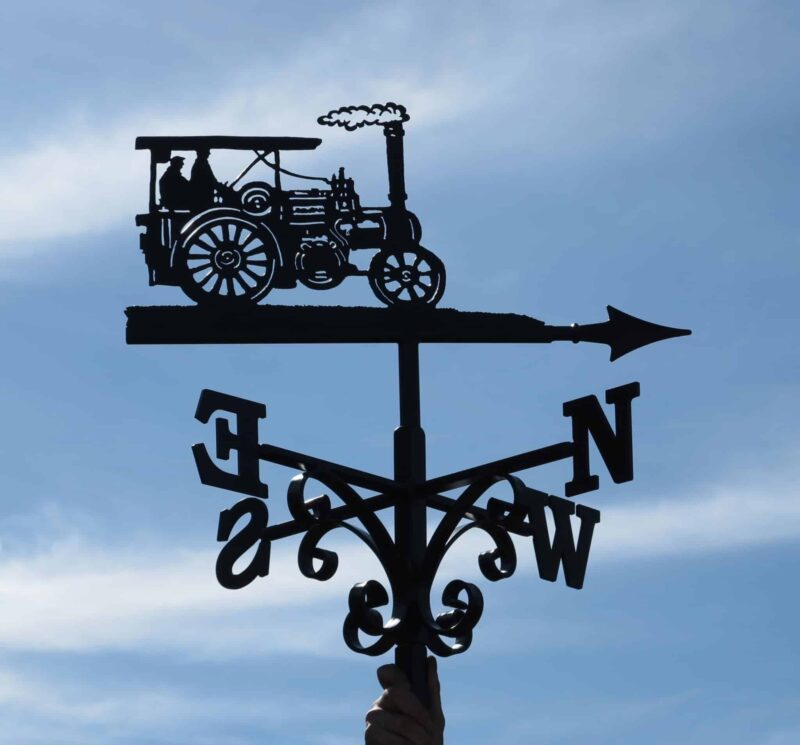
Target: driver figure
{"points": [[173, 186], [203, 182]]}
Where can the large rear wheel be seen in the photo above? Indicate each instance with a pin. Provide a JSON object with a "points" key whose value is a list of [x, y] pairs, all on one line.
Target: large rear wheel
{"points": [[412, 275], [226, 260]]}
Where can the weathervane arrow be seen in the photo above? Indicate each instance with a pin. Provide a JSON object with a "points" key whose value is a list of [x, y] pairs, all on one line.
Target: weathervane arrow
{"points": [[282, 324], [622, 332]]}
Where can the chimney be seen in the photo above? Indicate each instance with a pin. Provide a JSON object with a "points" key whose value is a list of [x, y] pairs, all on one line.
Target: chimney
{"points": [[395, 164]]}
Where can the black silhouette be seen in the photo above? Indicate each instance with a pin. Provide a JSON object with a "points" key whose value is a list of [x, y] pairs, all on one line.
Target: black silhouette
{"points": [[227, 246], [174, 188], [230, 245], [410, 560], [309, 324], [203, 182]]}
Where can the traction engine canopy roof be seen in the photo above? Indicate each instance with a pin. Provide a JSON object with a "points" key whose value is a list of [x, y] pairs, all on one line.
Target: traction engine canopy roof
{"points": [[225, 142]]}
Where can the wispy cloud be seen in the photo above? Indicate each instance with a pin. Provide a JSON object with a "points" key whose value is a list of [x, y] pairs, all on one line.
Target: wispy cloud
{"points": [[46, 709], [87, 177], [718, 518], [76, 597], [543, 72], [79, 598]]}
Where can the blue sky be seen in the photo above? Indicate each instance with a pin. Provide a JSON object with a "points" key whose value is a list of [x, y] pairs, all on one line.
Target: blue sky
{"points": [[561, 157]]}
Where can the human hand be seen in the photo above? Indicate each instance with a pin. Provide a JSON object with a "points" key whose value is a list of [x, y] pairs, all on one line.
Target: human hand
{"points": [[398, 717]]}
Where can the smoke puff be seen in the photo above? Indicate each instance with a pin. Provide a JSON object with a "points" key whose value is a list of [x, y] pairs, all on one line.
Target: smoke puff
{"points": [[353, 117]]}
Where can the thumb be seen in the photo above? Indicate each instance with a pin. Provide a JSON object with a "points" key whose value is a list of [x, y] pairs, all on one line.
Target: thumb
{"points": [[435, 691], [391, 676]]}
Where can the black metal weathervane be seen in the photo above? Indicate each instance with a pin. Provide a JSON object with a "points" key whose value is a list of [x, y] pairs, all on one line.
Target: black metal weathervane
{"points": [[229, 244]]}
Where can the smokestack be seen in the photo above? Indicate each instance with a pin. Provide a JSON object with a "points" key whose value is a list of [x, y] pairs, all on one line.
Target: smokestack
{"points": [[391, 117], [395, 164]]}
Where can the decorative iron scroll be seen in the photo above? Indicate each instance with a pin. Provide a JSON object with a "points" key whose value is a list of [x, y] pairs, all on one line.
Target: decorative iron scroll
{"points": [[382, 615]]}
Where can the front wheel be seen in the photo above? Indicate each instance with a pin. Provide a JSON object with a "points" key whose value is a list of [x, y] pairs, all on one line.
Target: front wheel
{"points": [[411, 275]]}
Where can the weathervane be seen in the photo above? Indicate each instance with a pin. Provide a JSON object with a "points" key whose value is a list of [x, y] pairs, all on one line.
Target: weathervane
{"points": [[227, 245]]}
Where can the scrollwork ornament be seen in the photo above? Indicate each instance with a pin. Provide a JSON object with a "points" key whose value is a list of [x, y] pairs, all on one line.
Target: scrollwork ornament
{"points": [[500, 562], [363, 601], [321, 564]]}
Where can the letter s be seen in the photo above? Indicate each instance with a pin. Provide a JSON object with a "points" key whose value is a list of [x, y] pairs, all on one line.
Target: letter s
{"points": [[244, 540]]}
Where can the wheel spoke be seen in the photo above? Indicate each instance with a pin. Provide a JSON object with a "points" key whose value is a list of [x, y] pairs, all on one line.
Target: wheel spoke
{"points": [[201, 244], [213, 236], [250, 273], [215, 289], [248, 239], [259, 247], [202, 281], [200, 268], [229, 286], [258, 262], [247, 279]]}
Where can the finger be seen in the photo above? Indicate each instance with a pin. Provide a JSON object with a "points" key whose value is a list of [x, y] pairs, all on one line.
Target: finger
{"points": [[403, 701], [391, 676], [435, 691], [400, 725]]}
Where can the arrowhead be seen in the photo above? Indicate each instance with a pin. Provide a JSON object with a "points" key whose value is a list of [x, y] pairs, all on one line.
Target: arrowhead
{"points": [[629, 332]]}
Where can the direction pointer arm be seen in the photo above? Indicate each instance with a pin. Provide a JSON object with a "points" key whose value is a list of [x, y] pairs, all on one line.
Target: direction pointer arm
{"points": [[622, 332]]}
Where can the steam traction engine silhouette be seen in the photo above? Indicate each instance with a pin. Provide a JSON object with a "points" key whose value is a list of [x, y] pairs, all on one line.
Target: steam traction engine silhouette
{"points": [[230, 244]]}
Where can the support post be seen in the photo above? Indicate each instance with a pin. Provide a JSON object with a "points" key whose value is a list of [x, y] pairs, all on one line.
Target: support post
{"points": [[410, 516]]}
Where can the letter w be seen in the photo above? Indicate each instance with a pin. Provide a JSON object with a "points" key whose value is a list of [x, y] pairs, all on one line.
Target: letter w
{"points": [[561, 550]]}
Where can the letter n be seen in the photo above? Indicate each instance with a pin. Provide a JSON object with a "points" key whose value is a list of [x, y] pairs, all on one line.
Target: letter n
{"points": [[616, 447], [561, 550]]}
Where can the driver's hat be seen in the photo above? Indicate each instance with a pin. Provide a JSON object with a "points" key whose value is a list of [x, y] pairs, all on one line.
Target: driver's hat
{"points": [[177, 160]]}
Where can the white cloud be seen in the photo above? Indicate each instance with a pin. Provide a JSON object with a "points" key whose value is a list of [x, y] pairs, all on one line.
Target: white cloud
{"points": [[542, 73], [722, 518], [88, 177], [45, 709], [79, 598]]}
